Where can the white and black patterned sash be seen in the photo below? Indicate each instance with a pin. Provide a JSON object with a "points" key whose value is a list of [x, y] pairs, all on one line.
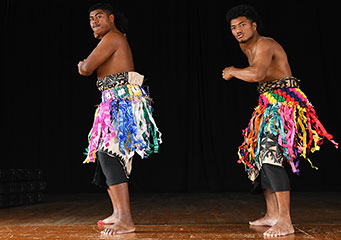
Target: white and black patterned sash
{"points": [[288, 82], [112, 80]]}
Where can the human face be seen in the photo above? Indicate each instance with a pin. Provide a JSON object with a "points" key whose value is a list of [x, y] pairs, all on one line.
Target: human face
{"points": [[243, 29], [100, 22]]}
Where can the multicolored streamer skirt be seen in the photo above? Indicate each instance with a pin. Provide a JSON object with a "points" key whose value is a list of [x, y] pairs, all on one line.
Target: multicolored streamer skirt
{"points": [[286, 111], [123, 121]]}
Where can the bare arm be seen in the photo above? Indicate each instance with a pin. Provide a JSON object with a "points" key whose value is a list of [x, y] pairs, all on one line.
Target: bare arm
{"points": [[256, 72], [105, 48]]}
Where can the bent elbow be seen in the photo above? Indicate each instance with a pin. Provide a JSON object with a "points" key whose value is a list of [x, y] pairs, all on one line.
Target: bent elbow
{"points": [[86, 74], [259, 76], [84, 71]]}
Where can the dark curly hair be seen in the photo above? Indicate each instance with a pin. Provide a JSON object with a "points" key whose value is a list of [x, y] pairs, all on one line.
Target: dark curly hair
{"points": [[246, 11], [121, 21]]}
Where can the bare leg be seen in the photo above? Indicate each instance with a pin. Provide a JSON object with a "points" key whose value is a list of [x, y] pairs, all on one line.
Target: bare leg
{"points": [[124, 223], [271, 215], [283, 225], [112, 218]]}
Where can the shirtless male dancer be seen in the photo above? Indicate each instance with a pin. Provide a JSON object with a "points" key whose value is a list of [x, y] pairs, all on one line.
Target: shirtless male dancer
{"points": [[111, 55], [263, 151], [121, 127]]}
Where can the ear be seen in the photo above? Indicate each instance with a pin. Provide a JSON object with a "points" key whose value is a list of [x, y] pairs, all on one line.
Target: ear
{"points": [[112, 18], [254, 26]]}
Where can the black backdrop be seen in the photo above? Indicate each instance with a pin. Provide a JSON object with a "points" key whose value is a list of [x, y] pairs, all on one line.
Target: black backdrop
{"points": [[181, 46]]}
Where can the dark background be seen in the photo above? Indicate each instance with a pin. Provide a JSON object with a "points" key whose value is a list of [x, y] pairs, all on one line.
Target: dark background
{"points": [[182, 47]]}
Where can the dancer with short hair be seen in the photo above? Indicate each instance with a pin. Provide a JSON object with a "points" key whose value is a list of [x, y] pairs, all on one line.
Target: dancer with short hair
{"points": [[123, 121], [283, 127]]}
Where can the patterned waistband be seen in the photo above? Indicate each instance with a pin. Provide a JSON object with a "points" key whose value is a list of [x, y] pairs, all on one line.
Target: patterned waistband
{"points": [[288, 82], [118, 79], [123, 91]]}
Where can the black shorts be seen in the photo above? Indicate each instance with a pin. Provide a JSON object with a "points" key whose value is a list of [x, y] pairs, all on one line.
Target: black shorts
{"points": [[112, 169], [274, 178]]}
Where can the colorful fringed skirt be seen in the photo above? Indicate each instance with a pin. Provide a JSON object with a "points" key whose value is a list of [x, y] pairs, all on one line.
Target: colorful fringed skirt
{"points": [[123, 121], [284, 125]]}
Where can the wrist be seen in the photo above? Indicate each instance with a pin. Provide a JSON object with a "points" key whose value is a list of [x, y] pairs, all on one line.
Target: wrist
{"points": [[231, 70]]}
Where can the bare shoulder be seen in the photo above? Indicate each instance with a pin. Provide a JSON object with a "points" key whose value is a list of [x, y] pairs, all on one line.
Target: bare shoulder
{"points": [[268, 42], [115, 37]]}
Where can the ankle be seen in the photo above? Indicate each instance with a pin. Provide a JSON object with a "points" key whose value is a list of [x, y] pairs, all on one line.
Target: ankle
{"points": [[285, 219], [272, 215], [125, 218]]}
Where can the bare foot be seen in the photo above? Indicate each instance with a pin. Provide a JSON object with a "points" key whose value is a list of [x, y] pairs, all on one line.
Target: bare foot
{"points": [[281, 228], [119, 227], [258, 229], [264, 221], [109, 220]]}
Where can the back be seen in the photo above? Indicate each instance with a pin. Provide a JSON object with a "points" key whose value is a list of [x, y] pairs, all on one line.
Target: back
{"points": [[279, 67], [121, 60]]}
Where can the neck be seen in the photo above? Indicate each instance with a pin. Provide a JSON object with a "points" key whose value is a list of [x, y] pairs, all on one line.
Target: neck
{"points": [[112, 29], [250, 43]]}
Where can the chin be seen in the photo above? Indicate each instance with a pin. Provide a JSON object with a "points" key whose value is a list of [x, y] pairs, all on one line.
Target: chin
{"points": [[97, 33], [243, 40]]}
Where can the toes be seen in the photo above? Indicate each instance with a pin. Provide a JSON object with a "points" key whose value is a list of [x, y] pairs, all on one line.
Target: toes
{"points": [[269, 233], [273, 233], [108, 231], [111, 232]]}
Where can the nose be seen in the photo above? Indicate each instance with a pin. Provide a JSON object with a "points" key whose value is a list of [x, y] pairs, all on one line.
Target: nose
{"points": [[238, 30], [94, 21]]}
